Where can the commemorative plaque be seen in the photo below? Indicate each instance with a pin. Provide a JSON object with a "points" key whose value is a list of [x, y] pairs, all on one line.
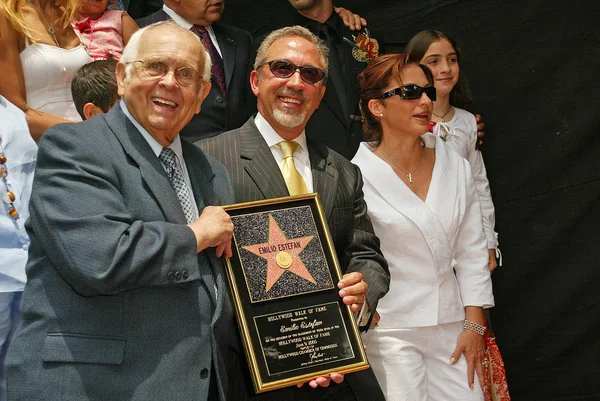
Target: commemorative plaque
{"points": [[283, 277]]}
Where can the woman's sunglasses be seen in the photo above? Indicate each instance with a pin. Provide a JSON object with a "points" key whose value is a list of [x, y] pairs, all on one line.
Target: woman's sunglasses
{"points": [[410, 92], [285, 69]]}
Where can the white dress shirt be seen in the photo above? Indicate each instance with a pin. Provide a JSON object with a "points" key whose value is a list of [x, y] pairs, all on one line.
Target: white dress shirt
{"points": [[188, 25], [301, 158], [157, 148]]}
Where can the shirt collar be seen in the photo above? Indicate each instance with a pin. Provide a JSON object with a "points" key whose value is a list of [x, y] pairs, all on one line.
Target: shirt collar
{"points": [[156, 147], [3, 101], [179, 20], [272, 137]]}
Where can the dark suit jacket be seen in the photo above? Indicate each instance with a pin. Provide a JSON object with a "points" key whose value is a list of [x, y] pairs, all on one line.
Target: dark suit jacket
{"points": [[220, 113], [256, 175], [142, 8], [329, 125], [118, 303]]}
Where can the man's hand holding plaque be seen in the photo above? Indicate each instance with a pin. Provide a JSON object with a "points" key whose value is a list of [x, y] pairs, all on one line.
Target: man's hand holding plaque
{"points": [[353, 291]]}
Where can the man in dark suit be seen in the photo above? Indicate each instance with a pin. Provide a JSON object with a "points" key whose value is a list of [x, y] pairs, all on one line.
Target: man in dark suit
{"points": [[288, 79], [126, 298], [225, 107], [337, 122]]}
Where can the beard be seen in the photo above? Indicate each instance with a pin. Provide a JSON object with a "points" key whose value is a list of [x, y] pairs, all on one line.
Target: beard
{"points": [[287, 117]]}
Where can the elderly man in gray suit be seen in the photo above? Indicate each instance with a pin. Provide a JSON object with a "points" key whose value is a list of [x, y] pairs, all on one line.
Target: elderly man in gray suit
{"points": [[126, 298], [270, 157]]}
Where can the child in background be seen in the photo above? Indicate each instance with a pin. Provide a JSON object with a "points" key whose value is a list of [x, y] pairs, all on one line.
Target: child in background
{"points": [[455, 125], [104, 32], [94, 88]]}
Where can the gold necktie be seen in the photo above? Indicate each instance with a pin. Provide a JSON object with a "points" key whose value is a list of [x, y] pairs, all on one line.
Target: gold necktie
{"points": [[292, 177]]}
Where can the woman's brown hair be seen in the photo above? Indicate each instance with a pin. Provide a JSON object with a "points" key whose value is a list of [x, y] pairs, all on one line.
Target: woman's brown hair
{"points": [[373, 82]]}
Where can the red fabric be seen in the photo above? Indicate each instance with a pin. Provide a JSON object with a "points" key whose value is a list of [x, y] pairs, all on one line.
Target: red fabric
{"points": [[495, 388]]}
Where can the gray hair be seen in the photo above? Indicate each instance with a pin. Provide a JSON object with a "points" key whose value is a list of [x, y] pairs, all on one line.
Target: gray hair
{"points": [[130, 52], [290, 31]]}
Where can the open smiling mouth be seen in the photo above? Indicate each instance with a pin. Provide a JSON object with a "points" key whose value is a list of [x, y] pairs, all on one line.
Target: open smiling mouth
{"points": [[164, 103]]}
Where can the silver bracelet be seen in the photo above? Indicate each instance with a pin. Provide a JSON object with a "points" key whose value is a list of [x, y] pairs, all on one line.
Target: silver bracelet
{"points": [[476, 327]]}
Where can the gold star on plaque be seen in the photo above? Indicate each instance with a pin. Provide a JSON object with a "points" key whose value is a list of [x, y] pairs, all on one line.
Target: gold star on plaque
{"points": [[282, 254]]}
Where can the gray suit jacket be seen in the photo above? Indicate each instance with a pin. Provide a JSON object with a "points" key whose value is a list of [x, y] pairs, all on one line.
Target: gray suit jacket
{"points": [[219, 112], [118, 304], [256, 175]]}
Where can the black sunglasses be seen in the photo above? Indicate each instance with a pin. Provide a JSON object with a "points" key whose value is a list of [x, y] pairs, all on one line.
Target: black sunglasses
{"points": [[410, 92], [285, 69]]}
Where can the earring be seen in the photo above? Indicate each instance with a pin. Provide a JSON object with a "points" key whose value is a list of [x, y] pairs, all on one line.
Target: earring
{"points": [[380, 114]]}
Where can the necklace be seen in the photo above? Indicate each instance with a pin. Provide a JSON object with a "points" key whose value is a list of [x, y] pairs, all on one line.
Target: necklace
{"points": [[50, 26], [443, 115], [408, 173], [9, 197]]}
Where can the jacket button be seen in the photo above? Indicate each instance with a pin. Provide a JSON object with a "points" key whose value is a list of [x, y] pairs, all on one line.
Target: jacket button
{"points": [[185, 275], [170, 275], [177, 275], [204, 373], [219, 99]]}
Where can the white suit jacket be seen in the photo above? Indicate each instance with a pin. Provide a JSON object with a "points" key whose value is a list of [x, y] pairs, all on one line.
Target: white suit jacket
{"points": [[462, 139], [436, 250]]}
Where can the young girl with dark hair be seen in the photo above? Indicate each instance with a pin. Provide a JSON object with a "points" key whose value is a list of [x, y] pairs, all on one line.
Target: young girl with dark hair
{"points": [[455, 125]]}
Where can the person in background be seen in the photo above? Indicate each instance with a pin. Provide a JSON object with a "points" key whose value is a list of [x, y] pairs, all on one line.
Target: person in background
{"points": [[289, 81], [104, 32], [126, 297], [429, 341], [336, 123], [226, 107], [94, 88], [17, 163], [39, 56], [455, 125]]}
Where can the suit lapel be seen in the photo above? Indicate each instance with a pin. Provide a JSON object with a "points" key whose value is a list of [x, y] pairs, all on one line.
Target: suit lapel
{"points": [[325, 175], [151, 169], [261, 165], [227, 46], [200, 175]]}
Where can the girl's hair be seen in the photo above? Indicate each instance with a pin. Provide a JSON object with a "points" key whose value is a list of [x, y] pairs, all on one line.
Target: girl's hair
{"points": [[13, 10], [460, 96], [374, 79]]}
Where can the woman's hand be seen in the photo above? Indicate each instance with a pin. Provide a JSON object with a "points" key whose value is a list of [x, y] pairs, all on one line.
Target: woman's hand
{"points": [[492, 263], [471, 345]]}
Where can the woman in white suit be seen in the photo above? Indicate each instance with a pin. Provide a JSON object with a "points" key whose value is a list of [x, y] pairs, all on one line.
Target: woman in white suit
{"points": [[423, 203]]}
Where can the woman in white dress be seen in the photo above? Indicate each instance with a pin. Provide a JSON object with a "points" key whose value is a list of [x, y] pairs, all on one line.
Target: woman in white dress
{"points": [[422, 201], [455, 125], [39, 56]]}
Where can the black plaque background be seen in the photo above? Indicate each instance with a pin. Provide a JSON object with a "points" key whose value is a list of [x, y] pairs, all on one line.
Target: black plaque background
{"points": [[246, 310]]}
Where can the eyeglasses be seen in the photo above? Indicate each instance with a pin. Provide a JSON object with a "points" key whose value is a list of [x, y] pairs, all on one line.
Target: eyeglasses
{"points": [[410, 92], [285, 69], [156, 69]]}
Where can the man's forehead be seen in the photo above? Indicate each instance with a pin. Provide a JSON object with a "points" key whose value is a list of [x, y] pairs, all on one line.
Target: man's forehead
{"points": [[169, 45], [294, 46]]}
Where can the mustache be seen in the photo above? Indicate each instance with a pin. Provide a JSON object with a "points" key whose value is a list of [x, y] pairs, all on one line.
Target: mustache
{"points": [[291, 93]]}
